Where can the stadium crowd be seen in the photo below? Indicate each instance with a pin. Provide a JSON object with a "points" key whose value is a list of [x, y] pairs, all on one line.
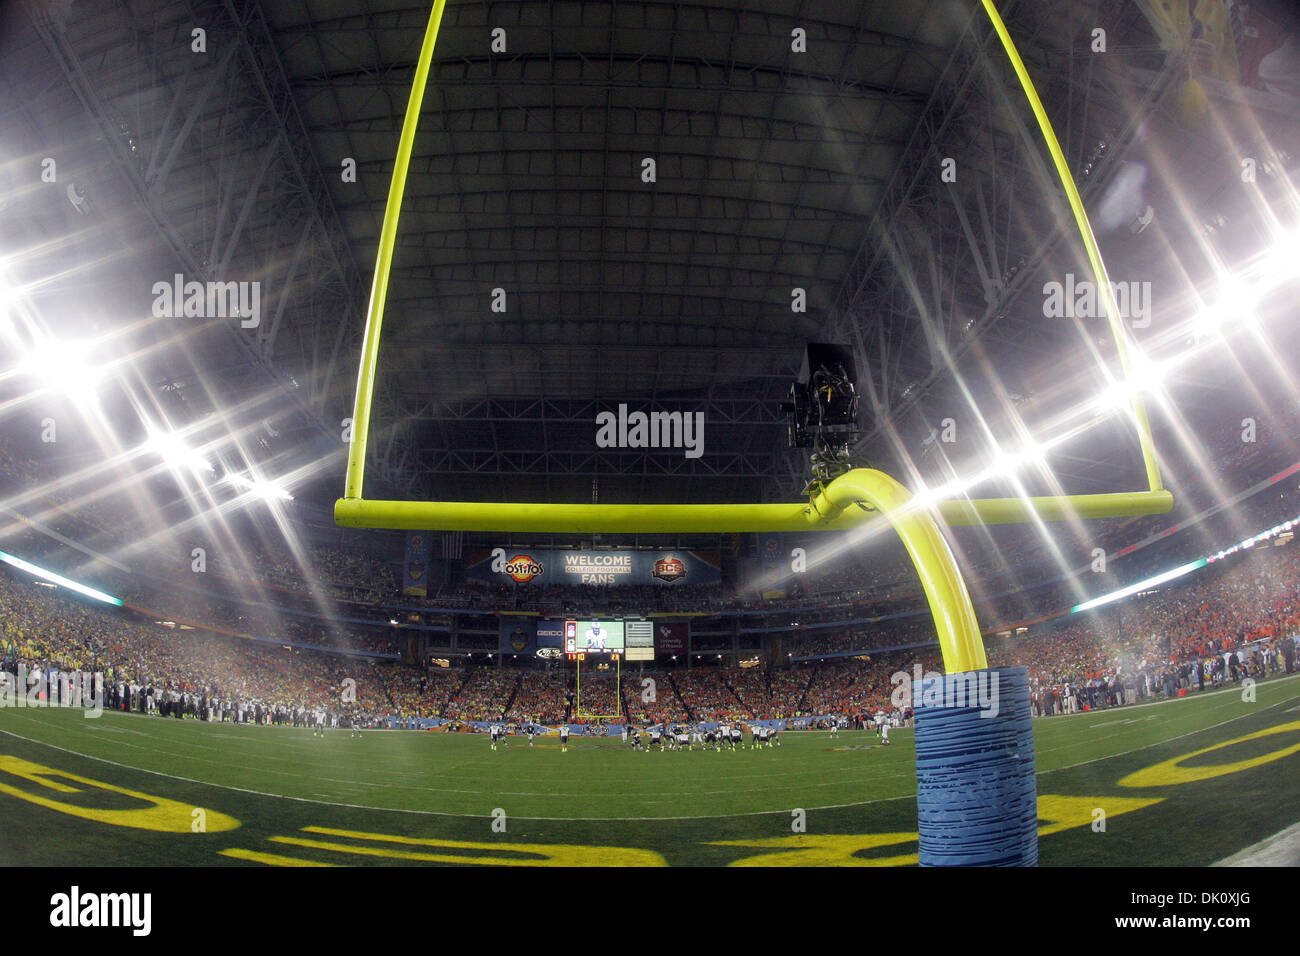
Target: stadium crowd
{"points": [[1237, 620]]}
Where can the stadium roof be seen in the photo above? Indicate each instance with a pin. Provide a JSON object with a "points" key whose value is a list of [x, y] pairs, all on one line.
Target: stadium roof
{"points": [[776, 170]]}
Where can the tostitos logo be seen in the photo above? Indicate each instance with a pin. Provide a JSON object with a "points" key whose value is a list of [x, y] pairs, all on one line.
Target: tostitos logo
{"points": [[521, 569]]}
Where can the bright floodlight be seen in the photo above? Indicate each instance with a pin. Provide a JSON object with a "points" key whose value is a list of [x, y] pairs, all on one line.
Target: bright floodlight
{"points": [[1006, 464], [267, 490], [1144, 585], [9, 293], [59, 579], [63, 367], [173, 450], [1281, 262]]}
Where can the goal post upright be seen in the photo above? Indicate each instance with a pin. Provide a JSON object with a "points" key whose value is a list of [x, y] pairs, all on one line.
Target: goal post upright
{"points": [[384, 260], [618, 689]]}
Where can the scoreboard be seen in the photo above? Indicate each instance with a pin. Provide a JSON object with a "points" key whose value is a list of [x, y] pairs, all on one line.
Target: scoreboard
{"points": [[640, 638], [633, 640], [593, 637]]}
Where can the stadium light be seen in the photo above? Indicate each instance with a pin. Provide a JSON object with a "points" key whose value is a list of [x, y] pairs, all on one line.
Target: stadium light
{"points": [[171, 448], [1280, 261], [59, 579], [1150, 582], [1237, 298], [1008, 463], [63, 367], [9, 293], [1148, 376], [266, 490]]}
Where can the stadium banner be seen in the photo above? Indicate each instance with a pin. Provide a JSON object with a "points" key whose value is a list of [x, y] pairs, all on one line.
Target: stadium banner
{"points": [[670, 636], [527, 635], [591, 568], [772, 554], [415, 567], [518, 635], [550, 635]]}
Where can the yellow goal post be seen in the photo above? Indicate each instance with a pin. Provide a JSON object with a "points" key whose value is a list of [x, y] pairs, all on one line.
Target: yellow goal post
{"points": [[851, 500]]}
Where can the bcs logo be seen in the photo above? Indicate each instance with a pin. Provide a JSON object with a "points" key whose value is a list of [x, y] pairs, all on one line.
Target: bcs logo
{"points": [[670, 568], [522, 568]]}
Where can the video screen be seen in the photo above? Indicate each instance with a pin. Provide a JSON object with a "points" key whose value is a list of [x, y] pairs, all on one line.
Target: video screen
{"points": [[593, 637]]}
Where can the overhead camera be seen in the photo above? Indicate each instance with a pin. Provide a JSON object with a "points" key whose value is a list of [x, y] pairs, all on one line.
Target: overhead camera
{"points": [[822, 411]]}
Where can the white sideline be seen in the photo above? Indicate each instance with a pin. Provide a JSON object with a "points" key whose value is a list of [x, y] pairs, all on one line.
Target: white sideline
{"points": [[1281, 849]]}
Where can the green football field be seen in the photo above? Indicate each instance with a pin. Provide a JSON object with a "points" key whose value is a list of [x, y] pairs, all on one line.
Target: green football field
{"points": [[1185, 782]]}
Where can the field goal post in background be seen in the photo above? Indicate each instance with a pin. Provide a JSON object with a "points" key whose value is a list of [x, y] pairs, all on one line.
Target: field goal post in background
{"points": [[966, 768], [578, 712]]}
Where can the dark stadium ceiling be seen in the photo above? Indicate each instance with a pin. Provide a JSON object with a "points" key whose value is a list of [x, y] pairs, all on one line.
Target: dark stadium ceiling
{"points": [[776, 170]]}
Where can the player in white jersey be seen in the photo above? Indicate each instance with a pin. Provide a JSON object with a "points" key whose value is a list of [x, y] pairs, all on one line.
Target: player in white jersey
{"points": [[495, 731], [835, 728], [564, 738], [319, 730], [696, 737], [683, 738], [656, 737], [884, 734], [596, 636], [737, 737]]}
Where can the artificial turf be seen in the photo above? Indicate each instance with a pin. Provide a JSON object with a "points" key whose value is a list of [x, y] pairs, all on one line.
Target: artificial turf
{"points": [[186, 792]]}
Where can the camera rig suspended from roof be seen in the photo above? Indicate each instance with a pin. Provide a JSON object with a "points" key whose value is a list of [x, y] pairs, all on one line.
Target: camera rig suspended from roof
{"points": [[822, 413]]}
